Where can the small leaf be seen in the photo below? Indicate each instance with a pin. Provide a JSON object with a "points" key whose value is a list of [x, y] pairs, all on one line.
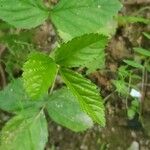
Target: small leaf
{"points": [[87, 95], [23, 13], [123, 72], [27, 131], [81, 51], [142, 51], [132, 19], [14, 99], [39, 74], [133, 109], [133, 64], [147, 35], [121, 87], [64, 109], [74, 18]]}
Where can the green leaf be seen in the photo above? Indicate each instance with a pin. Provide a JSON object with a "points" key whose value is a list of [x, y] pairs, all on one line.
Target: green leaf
{"points": [[64, 109], [132, 19], [87, 95], [27, 131], [14, 99], [123, 72], [81, 51], [23, 13], [142, 51], [133, 109], [39, 74], [133, 64], [121, 87], [147, 35], [74, 18], [99, 62]]}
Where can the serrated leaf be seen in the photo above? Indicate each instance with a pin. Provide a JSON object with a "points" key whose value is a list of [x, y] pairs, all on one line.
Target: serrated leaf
{"points": [[133, 64], [27, 131], [39, 74], [87, 94], [64, 109], [81, 50], [23, 13], [74, 18], [142, 51], [99, 63], [13, 98], [121, 87]]}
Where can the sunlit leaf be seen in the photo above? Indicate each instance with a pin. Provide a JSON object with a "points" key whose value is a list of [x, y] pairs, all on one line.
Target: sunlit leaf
{"points": [[39, 74], [87, 94], [82, 51]]}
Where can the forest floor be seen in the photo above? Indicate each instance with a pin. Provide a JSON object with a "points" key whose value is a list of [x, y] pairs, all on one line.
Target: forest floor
{"points": [[120, 133]]}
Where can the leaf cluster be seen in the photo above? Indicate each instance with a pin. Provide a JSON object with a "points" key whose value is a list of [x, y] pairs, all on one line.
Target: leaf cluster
{"points": [[78, 103]]}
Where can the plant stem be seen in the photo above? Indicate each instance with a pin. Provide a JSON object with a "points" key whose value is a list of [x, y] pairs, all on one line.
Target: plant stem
{"points": [[53, 85]]}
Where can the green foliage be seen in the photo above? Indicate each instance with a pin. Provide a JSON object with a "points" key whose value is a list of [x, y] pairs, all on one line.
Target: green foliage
{"points": [[132, 19], [40, 71], [133, 63], [81, 51], [142, 51], [27, 131], [18, 48], [74, 18], [87, 95], [62, 106], [133, 109], [14, 99], [121, 87], [147, 35], [39, 74], [64, 109], [123, 72], [23, 13]]}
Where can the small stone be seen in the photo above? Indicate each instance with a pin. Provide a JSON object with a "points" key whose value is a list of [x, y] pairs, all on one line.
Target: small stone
{"points": [[134, 146]]}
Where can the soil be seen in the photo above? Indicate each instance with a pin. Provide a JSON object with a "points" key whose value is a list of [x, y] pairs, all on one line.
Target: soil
{"points": [[119, 133]]}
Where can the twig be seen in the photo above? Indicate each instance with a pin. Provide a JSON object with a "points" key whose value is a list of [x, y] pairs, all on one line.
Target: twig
{"points": [[2, 72]]}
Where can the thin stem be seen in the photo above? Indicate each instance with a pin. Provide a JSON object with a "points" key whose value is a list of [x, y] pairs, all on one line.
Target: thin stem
{"points": [[144, 81], [126, 100], [108, 96], [53, 85]]}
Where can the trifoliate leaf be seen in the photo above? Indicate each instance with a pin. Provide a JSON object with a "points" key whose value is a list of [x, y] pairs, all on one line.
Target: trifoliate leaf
{"points": [[87, 95], [39, 74], [27, 131], [81, 51], [64, 109], [23, 13], [74, 18]]}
